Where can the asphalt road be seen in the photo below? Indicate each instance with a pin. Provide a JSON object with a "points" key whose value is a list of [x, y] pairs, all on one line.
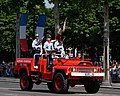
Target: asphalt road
{"points": [[13, 89]]}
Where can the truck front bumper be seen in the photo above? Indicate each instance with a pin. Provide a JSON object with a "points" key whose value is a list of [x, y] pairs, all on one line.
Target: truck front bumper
{"points": [[87, 74]]}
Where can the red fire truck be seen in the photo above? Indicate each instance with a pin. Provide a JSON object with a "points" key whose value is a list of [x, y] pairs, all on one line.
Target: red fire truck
{"points": [[61, 75]]}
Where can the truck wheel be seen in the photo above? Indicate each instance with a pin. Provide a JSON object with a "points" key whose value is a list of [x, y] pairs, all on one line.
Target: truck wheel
{"points": [[26, 83], [92, 87], [60, 83], [50, 86]]}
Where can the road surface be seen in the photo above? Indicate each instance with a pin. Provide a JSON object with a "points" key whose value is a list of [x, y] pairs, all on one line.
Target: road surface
{"points": [[13, 89]]}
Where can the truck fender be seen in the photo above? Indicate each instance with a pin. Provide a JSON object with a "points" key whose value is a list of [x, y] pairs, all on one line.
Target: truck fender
{"points": [[24, 71]]}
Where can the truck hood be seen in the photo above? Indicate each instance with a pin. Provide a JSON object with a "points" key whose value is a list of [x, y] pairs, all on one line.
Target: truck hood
{"points": [[72, 62]]}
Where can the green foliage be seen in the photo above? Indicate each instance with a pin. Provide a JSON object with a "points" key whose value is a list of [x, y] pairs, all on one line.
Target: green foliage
{"points": [[84, 27], [115, 28], [7, 33], [8, 21], [34, 8]]}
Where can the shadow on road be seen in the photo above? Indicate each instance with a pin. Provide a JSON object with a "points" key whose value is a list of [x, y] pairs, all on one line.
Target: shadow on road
{"points": [[47, 91]]}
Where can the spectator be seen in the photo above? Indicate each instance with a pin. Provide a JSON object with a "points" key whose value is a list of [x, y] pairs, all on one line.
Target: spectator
{"points": [[7, 69], [118, 71], [114, 71]]}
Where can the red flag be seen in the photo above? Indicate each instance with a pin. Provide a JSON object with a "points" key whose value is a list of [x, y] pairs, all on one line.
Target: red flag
{"points": [[23, 44]]}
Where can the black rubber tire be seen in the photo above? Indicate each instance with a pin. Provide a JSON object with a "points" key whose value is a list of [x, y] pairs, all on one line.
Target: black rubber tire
{"points": [[60, 83], [93, 87], [38, 82], [26, 83], [50, 86]]}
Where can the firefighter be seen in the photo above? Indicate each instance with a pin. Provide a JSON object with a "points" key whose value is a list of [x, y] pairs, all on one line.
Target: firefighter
{"points": [[58, 45], [37, 45], [48, 45], [48, 48], [67, 55], [37, 48]]}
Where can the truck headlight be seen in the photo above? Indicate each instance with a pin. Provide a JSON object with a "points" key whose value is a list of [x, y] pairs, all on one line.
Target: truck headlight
{"points": [[95, 70], [72, 69]]}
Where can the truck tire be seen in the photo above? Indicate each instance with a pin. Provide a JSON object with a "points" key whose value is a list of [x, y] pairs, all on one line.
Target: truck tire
{"points": [[50, 86], [92, 87], [60, 83], [26, 83]]}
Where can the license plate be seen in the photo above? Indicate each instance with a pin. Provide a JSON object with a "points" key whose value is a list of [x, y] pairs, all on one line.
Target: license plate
{"points": [[89, 74]]}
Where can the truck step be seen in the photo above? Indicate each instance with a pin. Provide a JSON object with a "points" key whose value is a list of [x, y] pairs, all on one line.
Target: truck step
{"points": [[42, 80], [45, 80], [34, 75]]}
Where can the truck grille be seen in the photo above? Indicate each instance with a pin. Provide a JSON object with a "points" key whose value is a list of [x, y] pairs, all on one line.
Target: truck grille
{"points": [[84, 70], [87, 70]]}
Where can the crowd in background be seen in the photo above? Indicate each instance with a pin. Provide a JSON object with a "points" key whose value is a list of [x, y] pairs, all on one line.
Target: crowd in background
{"points": [[6, 69], [115, 70]]}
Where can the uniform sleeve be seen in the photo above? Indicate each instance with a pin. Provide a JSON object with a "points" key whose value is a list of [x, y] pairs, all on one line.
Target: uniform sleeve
{"points": [[33, 44], [52, 47], [40, 48], [55, 45], [62, 47], [44, 46]]}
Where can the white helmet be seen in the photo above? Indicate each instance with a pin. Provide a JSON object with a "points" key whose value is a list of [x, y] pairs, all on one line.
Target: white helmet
{"points": [[36, 35]]}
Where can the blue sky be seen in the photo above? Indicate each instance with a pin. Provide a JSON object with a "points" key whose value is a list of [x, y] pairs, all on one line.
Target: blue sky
{"points": [[47, 4]]}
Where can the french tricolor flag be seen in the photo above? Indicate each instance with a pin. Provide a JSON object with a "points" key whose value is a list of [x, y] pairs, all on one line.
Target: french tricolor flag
{"points": [[23, 23], [41, 25]]}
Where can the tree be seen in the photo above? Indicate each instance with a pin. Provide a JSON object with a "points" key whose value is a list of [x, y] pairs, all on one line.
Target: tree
{"points": [[81, 23], [8, 8], [84, 23], [115, 29], [106, 42]]}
